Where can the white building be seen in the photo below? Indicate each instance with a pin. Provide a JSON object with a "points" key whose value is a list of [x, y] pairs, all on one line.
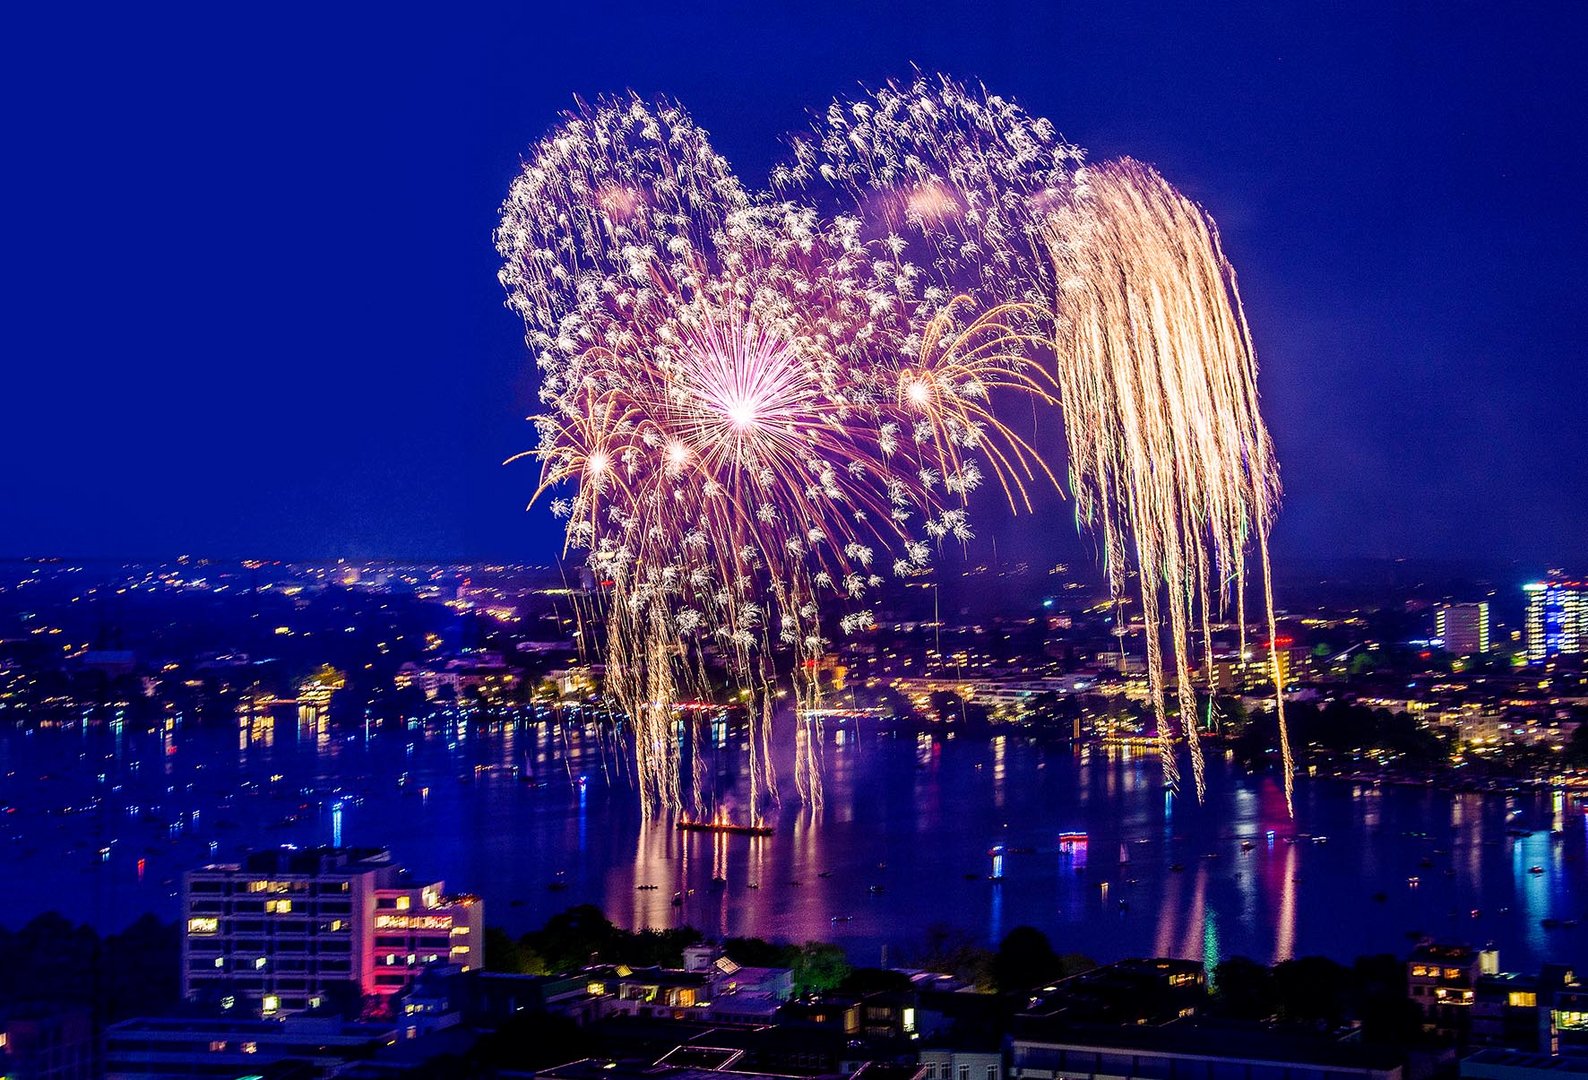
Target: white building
{"points": [[281, 931]]}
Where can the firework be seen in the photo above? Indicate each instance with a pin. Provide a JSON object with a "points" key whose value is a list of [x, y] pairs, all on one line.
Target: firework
{"points": [[758, 403], [1168, 452]]}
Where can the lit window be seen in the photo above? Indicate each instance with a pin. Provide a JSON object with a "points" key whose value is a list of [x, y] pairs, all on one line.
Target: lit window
{"points": [[259, 963], [250, 1048], [403, 903], [203, 925], [1523, 999], [270, 1003]]}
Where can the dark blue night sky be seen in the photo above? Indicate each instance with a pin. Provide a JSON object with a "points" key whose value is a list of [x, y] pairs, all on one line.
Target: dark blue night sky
{"points": [[250, 303]]}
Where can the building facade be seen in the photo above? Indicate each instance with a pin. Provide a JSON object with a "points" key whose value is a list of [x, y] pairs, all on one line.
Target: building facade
{"points": [[1463, 628], [1557, 618], [287, 930], [166, 1049], [47, 1043]]}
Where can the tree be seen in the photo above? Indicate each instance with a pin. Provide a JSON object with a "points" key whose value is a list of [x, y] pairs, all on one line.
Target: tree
{"points": [[951, 950], [819, 968], [1313, 989], [1387, 1012], [574, 938], [875, 980], [758, 952], [1577, 749], [1244, 989], [1025, 959]]}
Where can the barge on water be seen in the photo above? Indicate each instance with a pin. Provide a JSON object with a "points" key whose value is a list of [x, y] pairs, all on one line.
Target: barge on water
{"points": [[730, 827]]}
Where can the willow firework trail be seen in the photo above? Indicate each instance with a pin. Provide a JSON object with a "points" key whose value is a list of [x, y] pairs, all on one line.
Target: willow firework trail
{"points": [[1168, 451], [760, 403]]}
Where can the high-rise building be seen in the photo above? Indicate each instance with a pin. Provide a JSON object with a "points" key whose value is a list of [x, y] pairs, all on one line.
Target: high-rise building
{"points": [[282, 931], [1557, 618], [1464, 628]]}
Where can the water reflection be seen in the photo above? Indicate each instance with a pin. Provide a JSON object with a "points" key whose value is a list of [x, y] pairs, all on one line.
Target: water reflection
{"points": [[537, 816]]}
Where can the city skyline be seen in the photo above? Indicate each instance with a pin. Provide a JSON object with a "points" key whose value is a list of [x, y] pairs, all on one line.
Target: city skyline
{"points": [[308, 355]]}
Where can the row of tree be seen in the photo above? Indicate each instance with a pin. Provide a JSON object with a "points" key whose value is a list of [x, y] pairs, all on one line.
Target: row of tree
{"points": [[583, 935], [54, 962]]}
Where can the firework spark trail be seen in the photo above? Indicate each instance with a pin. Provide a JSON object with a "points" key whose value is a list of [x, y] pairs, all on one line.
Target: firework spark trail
{"points": [[720, 376], [1167, 445], [759, 400], [1169, 456]]}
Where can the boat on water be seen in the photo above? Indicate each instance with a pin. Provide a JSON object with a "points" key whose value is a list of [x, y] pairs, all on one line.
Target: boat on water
{"points": [[733, 828]]}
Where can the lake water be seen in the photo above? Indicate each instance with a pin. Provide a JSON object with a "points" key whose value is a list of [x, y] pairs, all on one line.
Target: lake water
{"points": [[102, 823]]}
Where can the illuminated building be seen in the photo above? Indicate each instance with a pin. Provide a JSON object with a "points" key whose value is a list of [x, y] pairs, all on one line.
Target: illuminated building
{"points": [[47, 1042], [1557, 618], [1464, 628], [314, 697], [286, 930], [1442, 981], [1107, 1052], [478, 674], [417, 926], [153, 1049]]}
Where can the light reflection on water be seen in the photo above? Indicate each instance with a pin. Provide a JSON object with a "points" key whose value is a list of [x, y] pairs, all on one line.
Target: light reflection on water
{"points": [[904, 842]]}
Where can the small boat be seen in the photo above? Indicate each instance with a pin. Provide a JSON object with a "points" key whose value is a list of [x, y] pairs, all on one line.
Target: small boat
{"points": [[875, 890], [645, 888], [843, 918], [825, 874], [1535, 869]]}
